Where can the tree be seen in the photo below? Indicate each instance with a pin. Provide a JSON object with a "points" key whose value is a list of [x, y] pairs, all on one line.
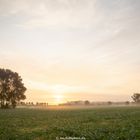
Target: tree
{"points": [[109, 103], [136, 97], [11, 88], [87, 102], [127, 102]]}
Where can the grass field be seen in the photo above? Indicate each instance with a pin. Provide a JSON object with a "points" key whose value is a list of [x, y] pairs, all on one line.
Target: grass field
{"points": [[110, 123]]}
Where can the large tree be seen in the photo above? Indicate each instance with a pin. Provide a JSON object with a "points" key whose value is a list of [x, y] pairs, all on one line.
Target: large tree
{"points": [[136, 97], [11, 88]]}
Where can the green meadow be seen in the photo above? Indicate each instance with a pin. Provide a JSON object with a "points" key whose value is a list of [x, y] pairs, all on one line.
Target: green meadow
{"points": [[102, 123]]}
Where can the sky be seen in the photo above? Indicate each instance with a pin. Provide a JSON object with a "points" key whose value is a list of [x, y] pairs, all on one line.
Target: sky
{"points": [[68, 50]]}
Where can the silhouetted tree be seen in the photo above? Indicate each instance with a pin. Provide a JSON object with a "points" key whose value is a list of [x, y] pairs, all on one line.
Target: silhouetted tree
{"points": [[127, 102], [11, 88], [136, 97], [109, 103], [87, 102]]}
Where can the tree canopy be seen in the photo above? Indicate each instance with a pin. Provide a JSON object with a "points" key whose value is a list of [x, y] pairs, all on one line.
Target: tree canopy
{"points": [[87, 102], [136, 97], [11, 88]]}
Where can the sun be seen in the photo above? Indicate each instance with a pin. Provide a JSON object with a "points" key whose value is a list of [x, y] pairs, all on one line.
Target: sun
{"points": [[58, 92], [58, 99]]}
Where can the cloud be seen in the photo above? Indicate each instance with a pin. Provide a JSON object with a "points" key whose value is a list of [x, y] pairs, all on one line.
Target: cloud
{"points": [[46, 13], [61, 15], [106, 16]]}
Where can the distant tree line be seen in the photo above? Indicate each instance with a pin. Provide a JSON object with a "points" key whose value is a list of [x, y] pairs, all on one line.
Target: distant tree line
{"points": [[135, 97], [33, 104]]}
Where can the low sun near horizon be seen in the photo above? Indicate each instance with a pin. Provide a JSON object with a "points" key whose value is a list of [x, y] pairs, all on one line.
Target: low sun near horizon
{"points": [[69, 50]]}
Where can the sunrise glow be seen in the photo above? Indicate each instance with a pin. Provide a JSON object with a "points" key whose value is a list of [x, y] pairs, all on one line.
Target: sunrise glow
{"points": [[69, 50]]}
